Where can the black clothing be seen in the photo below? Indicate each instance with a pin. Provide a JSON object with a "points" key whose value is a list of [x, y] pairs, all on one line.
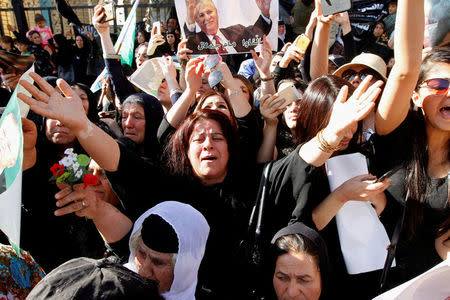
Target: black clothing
{"points": [[225, 206], [376, 45], [153, 116], [52, 239], [121, 85], [42, 63], [415, 254]]}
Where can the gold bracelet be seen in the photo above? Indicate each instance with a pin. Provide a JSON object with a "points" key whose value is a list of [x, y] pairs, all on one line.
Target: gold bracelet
{"points": [[324, 145]]}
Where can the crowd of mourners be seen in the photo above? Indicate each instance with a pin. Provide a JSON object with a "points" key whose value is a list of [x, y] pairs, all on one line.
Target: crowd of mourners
{"points": [[179, 173]]}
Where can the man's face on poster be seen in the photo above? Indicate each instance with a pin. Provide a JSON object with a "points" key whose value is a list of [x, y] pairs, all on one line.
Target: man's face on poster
{"points": [[207, 18]]}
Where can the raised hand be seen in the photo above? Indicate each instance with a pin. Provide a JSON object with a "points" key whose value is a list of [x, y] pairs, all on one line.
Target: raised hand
{"points": [[271, 109], [264, 59], [156, 39], [193, 76], [264, 7], [49, 102], [292, 53], [346, 113], [168, 68], [227, 78], [190, 8], [182, 53], [99, 14]]}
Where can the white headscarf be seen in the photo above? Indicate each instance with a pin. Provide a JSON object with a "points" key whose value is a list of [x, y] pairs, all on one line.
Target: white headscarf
{"points": [[192, 231]]}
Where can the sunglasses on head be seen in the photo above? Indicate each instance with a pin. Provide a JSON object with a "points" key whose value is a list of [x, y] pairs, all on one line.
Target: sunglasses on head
{"points": [[437, 86], [351, 74]]}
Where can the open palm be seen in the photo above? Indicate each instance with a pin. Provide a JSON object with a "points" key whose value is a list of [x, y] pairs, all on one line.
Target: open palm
{"points": [[48, 102]]}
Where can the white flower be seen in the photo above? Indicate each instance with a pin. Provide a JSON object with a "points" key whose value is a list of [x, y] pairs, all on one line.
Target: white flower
{"points": [[66, 161], [68, 151], [75, 166], [78, 174], [73, 156]]}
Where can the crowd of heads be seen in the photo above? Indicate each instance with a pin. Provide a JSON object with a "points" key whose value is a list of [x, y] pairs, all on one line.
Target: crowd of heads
{"points": [[205, 142]]}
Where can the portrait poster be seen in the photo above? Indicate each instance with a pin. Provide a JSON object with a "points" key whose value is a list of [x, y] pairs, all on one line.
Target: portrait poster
{"points": [[227, 27], [437, 24], [11, 158], [11, 155]]}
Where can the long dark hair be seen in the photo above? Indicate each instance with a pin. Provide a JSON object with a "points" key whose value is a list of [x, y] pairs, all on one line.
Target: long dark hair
{"points": [[176, 150], [418, 181], [316, 106]]}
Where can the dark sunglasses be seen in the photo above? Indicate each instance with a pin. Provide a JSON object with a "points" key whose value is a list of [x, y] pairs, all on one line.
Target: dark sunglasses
{"points": [[437, 86], [350, 75]]}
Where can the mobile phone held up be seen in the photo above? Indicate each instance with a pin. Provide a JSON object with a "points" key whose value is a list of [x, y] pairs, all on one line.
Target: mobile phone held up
{"points": [[302, 43], [331, 7], [156, 27], [109, 9], [289, 94]]}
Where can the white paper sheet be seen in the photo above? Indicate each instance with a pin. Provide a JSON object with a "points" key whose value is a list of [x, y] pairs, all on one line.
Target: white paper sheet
{"points": [[362, 236], [431, 285], [149, 76]]}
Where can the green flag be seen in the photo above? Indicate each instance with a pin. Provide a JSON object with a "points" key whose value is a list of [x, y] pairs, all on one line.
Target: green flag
{"points": [[124, 45]]}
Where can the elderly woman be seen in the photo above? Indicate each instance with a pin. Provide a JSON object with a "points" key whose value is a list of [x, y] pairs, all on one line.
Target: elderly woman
{"points": [[141, 116], [167, 245], [301, 265]]}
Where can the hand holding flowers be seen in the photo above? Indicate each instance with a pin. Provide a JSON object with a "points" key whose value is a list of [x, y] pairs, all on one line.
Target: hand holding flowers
{"points": [[72, 169]]}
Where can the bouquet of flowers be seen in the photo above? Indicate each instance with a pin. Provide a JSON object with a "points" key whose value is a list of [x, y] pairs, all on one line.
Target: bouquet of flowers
{"points": [[73, 169]]}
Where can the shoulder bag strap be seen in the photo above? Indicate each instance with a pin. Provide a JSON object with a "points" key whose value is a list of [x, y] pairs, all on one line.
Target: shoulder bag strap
{"points": [[262, 197], [393, 246]]}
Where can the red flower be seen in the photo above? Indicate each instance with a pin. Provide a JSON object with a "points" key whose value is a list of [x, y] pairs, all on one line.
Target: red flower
{"points": [[57, 170], [89, 179]]}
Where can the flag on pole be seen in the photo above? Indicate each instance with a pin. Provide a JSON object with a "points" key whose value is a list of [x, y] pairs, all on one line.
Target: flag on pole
{"points": [[124, 45], [11, 158]]}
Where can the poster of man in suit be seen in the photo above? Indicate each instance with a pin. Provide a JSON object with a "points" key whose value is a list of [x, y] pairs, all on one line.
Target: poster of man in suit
{"points": [[227, 27]]}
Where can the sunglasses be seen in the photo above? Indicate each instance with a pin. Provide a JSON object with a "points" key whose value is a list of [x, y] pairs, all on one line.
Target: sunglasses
{"points": [[436, 86], [350, 75]]}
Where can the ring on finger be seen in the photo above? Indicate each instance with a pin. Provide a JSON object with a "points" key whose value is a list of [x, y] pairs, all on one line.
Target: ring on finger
{"points": [[83, 204]]}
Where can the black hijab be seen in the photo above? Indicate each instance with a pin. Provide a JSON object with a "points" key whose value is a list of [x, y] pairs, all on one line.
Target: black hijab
{"points": [[316, 239], [153, 116]]}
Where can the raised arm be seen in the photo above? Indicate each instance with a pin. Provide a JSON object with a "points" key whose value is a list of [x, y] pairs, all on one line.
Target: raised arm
{"points": [[103, 30], [319, 50], [177, 113], [68, 109], [240, 104], [270, 111], [262, 63], [343, 122], [395, 100]]}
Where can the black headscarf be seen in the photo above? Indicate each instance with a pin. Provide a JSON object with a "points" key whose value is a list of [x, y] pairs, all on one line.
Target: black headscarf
{"points": [[153, 116], [316, 239], [92, 113]]}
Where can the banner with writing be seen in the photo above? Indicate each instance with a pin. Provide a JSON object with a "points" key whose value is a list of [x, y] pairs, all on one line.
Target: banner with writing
{"points": [[228, 27]]}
